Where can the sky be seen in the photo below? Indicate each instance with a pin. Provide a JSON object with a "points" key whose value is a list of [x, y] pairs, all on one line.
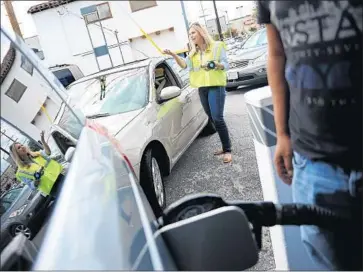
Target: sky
{"points": [[193, 9]]}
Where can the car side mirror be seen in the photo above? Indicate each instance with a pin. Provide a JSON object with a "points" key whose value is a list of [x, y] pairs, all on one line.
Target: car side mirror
{"points": [[69, 154], [169, 93]]}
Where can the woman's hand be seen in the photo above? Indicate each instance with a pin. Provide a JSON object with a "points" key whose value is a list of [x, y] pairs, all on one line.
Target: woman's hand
{"points": [[168, 52], [45, 145], [178, 59]]}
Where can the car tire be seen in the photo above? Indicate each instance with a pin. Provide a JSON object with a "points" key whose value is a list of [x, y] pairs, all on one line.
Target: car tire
{"points": [[209, 128], [152, 181], [20, 228]]}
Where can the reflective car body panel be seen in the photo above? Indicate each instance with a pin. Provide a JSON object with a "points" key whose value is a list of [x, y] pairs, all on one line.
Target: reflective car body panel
{"points": [[32, 206], [174, 123], [248, 66], [100, 186]]}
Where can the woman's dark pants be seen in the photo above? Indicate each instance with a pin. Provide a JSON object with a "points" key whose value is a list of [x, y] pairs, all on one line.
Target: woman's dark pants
{"points": [[213, 99], [57, 187]]}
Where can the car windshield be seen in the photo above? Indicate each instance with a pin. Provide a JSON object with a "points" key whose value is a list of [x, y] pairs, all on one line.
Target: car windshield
{"points": [[111, 94], [8, 199], [257, 39], [124, 91]]}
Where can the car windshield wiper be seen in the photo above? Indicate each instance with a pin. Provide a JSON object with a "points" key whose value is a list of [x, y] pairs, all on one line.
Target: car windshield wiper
{"points": [[98, 115]]}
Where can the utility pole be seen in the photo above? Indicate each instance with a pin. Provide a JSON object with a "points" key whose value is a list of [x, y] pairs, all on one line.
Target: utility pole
{"points": [[119, 46], [13, 21], [201, 6], [217, 21], [184, 15]]}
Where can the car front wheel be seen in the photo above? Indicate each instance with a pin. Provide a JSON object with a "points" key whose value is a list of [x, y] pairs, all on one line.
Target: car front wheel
{"points": [[20, 228], [152, 181]]}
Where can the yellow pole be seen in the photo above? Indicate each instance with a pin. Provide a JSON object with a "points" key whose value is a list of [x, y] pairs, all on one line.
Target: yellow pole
{"points": [[45, 112], [143, 32]]}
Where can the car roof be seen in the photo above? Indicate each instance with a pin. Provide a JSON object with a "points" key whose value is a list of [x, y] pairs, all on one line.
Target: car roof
{"points": [[127, 66]]}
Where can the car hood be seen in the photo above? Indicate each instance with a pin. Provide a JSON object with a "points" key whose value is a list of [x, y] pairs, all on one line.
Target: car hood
{"points": [[115, 123], [248, 54]]}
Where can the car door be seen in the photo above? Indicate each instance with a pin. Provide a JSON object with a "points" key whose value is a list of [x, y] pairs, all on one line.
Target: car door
{"points": [[173, 115], [194, 113]]}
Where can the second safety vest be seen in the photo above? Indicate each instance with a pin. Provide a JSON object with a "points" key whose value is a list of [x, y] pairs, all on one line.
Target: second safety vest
{"points": [[51, 168], [199, 77]]}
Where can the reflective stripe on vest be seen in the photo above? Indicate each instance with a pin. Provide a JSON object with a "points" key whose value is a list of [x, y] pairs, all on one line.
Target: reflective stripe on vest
{"points": [[200, 77], [52, 169], [216, 56]]}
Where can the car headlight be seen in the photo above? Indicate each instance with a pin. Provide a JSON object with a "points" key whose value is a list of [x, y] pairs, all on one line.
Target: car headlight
{"points": [[262, 58], [18, 211]]}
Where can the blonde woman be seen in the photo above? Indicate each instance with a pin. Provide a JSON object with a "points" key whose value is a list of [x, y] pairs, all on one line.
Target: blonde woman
{"points": [[36, 169], [207, 63]]}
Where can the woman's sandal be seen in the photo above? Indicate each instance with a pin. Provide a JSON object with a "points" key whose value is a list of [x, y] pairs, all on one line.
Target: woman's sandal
{"points": [[227, 158], [219, 152]]}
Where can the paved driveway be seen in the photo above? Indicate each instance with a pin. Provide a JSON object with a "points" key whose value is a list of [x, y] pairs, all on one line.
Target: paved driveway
{"points": [[199, 171]]}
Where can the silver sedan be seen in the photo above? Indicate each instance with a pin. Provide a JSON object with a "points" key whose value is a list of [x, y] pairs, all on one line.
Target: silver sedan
{"points": [[149, 107]]}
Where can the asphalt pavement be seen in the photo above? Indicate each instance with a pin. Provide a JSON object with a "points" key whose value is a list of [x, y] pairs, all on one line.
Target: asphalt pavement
{"points": [[199, 171]]}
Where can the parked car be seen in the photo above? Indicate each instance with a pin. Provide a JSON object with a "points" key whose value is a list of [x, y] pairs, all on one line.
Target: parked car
{"points": [[149, 107], [248, 65], [22, 210], [67, 73]]}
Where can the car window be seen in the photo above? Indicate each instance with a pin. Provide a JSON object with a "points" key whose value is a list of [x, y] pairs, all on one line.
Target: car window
{"points": [[56, 153], [65, 76], [9, 197], [257, 39], [124, 91], [183, 73], [263, 38]]}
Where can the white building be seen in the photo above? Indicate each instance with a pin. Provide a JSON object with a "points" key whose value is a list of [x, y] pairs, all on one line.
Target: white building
{"points": [[64, 38], [23, 93]]}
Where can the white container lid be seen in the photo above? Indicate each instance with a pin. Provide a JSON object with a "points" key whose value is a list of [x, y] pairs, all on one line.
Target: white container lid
{"points": [[260, 97]]}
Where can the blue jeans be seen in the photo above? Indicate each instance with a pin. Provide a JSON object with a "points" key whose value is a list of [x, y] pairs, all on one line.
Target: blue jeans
{"points": [[325, 185], [212, 99]]}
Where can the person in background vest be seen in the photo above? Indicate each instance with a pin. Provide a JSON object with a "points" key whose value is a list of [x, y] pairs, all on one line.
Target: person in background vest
{"points": [[207, 63], [36, 169]]}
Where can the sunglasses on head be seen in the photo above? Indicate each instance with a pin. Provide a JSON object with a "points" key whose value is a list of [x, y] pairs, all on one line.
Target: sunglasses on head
{"points": [[195, 24]]}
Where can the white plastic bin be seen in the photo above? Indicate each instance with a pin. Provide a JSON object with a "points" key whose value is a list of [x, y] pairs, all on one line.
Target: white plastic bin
{"points": [[288, 249]]}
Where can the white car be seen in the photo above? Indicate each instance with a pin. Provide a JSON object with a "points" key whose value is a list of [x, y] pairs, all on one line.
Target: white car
{"points": [[149, 107]]}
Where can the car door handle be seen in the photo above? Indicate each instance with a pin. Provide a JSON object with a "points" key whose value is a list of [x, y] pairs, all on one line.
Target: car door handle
{"points": [[188, 99]]}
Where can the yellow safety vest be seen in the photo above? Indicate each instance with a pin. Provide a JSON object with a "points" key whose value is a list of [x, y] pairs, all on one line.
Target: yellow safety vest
{"points": [[52, 170], [198, 76]]}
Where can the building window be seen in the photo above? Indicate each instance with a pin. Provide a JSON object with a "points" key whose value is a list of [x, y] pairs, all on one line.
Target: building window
{"points": [[16, 90], [26, 65], [140, 5], [100, 12]]}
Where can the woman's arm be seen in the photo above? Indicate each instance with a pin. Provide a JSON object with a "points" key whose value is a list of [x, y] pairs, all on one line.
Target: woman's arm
{"points": [[29, 182], [46, 146], [180, 61], [223, 64]]}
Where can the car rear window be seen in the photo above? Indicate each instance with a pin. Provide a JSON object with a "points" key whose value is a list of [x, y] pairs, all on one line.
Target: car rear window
{"points": [[65, 76]]}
